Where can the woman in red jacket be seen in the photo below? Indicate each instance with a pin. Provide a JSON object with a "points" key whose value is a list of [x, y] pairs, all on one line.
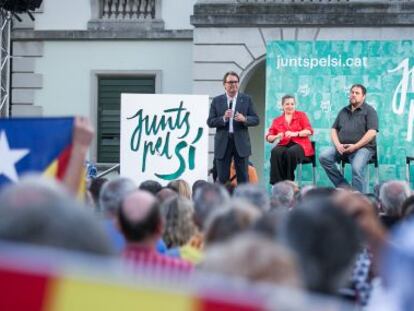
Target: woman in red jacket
{"points": [[292, 129]]}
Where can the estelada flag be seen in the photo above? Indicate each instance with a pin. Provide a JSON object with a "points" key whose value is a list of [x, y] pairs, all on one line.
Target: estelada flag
{"points": [[40, 145]]}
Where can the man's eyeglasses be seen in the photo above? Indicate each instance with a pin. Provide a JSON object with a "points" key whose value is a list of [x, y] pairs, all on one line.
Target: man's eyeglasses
{"points": [[232, 82]]}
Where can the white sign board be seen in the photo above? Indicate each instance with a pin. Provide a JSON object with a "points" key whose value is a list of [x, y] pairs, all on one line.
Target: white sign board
{"points": [[164, 137]]}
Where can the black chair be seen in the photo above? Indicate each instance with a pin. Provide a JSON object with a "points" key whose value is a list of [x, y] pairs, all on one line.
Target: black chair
{"points": [[407, 168], [308, 160], [373, 160]]}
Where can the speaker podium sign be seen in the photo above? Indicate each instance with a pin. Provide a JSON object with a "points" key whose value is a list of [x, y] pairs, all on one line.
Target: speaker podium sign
{"points": [[164, 137]]}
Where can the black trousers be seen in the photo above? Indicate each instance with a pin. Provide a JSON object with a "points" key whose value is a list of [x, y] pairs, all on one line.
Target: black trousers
{"points": [[241, 164], [283, 162]]}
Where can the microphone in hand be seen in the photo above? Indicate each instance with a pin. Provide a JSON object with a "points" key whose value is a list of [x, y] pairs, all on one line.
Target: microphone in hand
{"points": [[229, 112]]}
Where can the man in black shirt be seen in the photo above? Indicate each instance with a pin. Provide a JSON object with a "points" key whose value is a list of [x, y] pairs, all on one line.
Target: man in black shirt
{"points": [[353, 135]]}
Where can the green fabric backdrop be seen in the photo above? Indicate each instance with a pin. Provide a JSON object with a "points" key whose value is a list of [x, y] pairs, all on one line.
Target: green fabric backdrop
{"points": [[320, 73]]}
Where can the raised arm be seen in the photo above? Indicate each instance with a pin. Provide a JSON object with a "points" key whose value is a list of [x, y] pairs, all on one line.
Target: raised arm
{"points": [[82, 138]]}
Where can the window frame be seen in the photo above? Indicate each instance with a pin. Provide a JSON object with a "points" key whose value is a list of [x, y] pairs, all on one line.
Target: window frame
{"points": [[95, 75]]}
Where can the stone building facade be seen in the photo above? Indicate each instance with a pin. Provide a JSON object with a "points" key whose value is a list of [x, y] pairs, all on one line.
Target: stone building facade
{"points": [[186, 45]]}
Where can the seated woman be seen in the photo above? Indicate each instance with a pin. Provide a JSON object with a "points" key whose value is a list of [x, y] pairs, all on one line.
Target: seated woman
{"points": [[293, 129]]}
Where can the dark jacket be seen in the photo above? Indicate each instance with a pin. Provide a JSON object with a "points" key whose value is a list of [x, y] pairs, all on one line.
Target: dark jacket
{"points": [[244, 105]]}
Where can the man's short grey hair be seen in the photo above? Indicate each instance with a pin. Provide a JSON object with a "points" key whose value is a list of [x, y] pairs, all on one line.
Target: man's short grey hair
{"points": [[253, 194], [41, 212], [113, 192], [232, 218], [33, 189], [392, 194], [283, 195], [206, 199]]}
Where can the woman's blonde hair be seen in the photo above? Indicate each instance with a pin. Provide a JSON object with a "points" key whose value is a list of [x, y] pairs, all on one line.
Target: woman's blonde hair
{"points": [[181, 187], [179, 226]]}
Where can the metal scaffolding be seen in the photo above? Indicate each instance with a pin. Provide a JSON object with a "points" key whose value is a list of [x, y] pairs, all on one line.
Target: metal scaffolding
{"points": [[5, 22]]}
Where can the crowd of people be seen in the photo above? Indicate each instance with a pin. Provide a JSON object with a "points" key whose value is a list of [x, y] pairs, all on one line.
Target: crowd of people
{"points": [[329, 241]]}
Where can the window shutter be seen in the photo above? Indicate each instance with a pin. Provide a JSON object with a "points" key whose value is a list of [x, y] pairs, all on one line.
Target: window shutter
{"points": [[109, 106]]}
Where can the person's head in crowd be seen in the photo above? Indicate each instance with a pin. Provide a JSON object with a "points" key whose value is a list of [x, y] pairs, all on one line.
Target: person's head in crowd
{"points": [[236, 217], [360, 208], [407, 207], [95, 188], [178, 218], [375, 201], [283, 196], [397, 269], [319, 192], [294, 185], [377, 188], [207, 199], [112, 194], [229, 188], [181, 187], [140, 221], [302, 191], [325, 240], [152, 186], [254, 194], [40, 212], [139, 218], [254, 258], [392, 194], [196, 185], [165, 193], [269, 223], [34, 189]]}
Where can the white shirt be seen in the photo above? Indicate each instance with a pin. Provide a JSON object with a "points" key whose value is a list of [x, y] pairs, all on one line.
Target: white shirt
{"points": [[229, 99]]}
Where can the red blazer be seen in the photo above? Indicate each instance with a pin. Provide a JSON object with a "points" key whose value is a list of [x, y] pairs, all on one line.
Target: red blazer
{"points": [[299, 122]]}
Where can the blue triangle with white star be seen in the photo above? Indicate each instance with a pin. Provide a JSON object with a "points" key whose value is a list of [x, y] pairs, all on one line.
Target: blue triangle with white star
{"points": [[31, 144]]}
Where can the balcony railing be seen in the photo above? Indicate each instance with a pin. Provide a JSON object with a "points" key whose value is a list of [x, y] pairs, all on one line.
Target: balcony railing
{"points": [[125, 15], [128, 10]]}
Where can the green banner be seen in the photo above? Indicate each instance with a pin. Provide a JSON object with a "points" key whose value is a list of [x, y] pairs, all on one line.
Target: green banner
{"points": [[320, 73]]}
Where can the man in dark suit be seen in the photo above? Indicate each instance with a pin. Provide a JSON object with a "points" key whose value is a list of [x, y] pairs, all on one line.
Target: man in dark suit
{"points": [[231, 114]]}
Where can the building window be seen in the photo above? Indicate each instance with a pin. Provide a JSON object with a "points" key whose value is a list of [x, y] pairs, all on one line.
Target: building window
{"points": [[110, 89]]}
